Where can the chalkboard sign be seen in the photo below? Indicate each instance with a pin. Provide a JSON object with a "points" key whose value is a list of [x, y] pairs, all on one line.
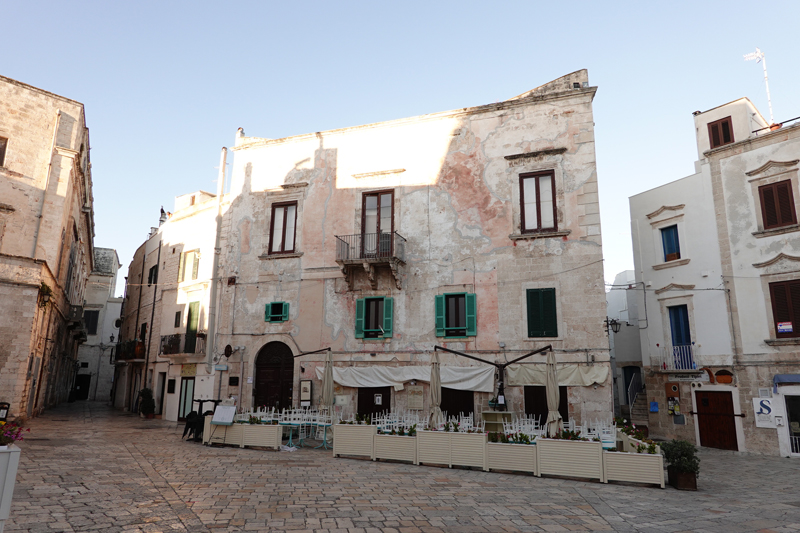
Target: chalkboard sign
{"points": [[223, 415]]}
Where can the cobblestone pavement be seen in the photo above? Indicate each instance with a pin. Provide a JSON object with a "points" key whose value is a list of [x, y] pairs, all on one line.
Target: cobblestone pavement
{"points": [[86, 467]]}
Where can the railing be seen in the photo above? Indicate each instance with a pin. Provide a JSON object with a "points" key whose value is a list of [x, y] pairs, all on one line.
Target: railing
{"points": [[795, 444], [634, 388], [370, 246], [127, 350], [675, 358], [183, 343]]}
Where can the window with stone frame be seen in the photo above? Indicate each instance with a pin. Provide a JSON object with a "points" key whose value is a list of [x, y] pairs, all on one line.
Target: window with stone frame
{"points": [[777, 205], [537, 194], [91, 318], [189, 265], [720, 132], [374, 317], [282, 228], [785, 299], [456, 315]]}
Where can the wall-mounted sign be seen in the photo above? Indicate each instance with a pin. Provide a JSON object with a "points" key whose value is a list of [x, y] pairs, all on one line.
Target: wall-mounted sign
{"points": [[188, 371], [673, 406], [379, 399], [305, 390], [766, 410], [690, 377], [785, 327], [415, 398], [220, 367]]}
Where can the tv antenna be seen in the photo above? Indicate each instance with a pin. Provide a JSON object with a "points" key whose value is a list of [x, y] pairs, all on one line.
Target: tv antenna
{"points": [[759, 56]]}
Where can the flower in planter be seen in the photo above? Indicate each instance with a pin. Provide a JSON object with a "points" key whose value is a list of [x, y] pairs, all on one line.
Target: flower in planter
{"points": [[10, 433]]}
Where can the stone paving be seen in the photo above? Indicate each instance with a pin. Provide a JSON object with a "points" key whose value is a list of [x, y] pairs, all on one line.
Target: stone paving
{"points": [[86, 467]]}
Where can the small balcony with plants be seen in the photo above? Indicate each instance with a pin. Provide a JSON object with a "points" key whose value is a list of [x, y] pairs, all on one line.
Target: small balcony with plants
{"points": [[183, 344], [131, 350]]}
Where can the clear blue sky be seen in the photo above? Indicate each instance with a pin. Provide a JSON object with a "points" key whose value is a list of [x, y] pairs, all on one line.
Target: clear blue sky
{"points": [[166, 84]]}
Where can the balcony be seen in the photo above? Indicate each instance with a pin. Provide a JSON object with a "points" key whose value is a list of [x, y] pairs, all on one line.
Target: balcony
{"points": [[183, 343], [369, 251], [130, 351], [675, 359]]}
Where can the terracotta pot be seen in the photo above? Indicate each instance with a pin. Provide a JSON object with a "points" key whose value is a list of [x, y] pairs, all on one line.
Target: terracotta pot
{"points": [[682, 480], [151, 415]]}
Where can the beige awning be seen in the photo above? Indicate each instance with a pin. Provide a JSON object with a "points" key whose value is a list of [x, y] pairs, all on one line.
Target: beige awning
{"points": [[571, 375]]}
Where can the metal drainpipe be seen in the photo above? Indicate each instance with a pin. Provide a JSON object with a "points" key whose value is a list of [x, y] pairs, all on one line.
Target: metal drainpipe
{"points": [[212, 305], [46, 183], [152, 309]]}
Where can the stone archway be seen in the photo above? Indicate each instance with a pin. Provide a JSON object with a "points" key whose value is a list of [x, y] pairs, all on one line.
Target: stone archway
{"points": [[274, 376]]}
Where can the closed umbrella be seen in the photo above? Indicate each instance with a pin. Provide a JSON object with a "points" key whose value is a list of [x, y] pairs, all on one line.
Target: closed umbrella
{"points": [[327, 382], [436, 393], [553, 416]]}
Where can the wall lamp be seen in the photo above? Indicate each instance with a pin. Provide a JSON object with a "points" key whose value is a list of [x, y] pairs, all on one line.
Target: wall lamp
{"points": [[614, 324]]}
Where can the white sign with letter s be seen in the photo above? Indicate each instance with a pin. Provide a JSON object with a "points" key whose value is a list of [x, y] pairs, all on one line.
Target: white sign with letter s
{"points": [[766, 409]]}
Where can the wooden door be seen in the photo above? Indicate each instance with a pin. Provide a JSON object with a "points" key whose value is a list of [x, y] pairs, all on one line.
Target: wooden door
{"points": [[716, 419], [536, 402], [457, 402], [274, 376], [374, 400]]}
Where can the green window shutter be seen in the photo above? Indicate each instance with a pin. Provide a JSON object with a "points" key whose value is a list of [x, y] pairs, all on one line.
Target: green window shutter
{"points": [[285, 315], [542, 315], [360, 318], [195, 263], [181, 267], [440, 315], [387, 317], [534, 297], [472, 315], [549, 315], [267, 309]]}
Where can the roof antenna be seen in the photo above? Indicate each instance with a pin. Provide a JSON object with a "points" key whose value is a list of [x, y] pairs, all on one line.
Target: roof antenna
{"points": [[759, 56]]}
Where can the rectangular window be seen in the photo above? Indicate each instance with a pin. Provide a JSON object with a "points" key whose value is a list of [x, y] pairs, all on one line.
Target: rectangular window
{"points": [[456, 315], [785, 297], [537, 194], [720, 132], [374, 318], [178, 319], [3, 145], [542, 315], [189, 265], [377, 223], [777, 205], [276, 312], [679, 325], [91, 317], [672, 247], [282, 228], [170, 386], [152, 276], [143, 332]]}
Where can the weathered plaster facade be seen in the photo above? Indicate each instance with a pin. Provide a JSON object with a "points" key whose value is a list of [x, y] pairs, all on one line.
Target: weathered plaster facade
{"points": [[455, 182], [46, 237], [727, 262]]}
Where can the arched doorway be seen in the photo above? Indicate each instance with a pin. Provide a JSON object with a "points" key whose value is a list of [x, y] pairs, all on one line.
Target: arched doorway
{"points": [[274, 377]]}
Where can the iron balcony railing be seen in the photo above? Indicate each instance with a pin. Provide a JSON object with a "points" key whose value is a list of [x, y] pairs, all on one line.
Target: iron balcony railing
{"points": [[182, 343], [370, 247], [127, 350], [795, 444], [675, 358]]}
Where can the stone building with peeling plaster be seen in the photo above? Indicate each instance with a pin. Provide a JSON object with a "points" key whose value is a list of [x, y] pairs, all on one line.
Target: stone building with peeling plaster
{"points": [[717, 277], [46, 244], [476, 229]]}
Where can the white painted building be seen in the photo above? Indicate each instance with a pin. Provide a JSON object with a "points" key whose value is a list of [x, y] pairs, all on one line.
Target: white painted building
{"points": [[718, 254], [626, 350]]}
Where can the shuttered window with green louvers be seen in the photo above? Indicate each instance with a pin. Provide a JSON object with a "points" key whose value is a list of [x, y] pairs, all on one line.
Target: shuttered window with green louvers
{"points": [[542, 315], [277, 312], [456, 315], [374, 317]]}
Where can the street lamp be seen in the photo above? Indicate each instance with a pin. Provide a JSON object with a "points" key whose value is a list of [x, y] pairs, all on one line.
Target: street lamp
{"points": [[614, 324]]}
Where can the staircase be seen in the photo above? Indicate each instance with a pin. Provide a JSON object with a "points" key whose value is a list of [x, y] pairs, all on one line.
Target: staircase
{"points": [[639, 410]]}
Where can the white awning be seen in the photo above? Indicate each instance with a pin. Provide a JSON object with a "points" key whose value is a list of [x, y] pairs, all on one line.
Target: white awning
{"points": [[569, 374], [474, 378]]}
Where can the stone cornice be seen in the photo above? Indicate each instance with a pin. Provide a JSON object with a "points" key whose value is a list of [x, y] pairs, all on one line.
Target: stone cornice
{"points": [[776, 259], [379, 173], [674, 287], [538, 153], [769, 164], [665, 208]]}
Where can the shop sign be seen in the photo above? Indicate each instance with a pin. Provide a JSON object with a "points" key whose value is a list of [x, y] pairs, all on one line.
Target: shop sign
{"points": [[689, 377], [764, 409], [189, 371], [415, 398], [785, 327]]}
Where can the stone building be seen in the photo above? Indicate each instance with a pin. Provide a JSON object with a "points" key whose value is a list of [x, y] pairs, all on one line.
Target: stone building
{"points": [[101, 316], [46, 244], [717, 256], [476, 229], [165, 314]]}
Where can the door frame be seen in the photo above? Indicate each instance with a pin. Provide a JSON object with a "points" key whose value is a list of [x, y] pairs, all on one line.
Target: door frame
{"points": [[193, 379], [779, 409], [737, 409]]}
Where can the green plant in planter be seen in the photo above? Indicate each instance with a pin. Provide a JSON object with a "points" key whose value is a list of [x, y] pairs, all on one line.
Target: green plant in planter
{"points": [[147, 406], [492, 436], [682, 456], [412, 431]]}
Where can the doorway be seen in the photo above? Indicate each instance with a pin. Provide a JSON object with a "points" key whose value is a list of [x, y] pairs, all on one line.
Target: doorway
{"points": [[162, 381], [274, 376], [629, 372], [82, 382], [374, 400], [457, 402], [536, 402], [716, 419], [187, 395], [793, 419]]}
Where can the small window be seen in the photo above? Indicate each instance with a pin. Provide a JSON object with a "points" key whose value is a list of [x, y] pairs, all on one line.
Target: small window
{"points": [[537, 193], [3, 145], [233, 381], [374, 318], [91, 317], [178, 319], [542, 314], [777, 205], [84, 364], [282, 228], [189, 265], [143, 332], [170, 386], [785, 297], [456, 315], [672, 246], [720, 132], [277, 312], [152, 276]]}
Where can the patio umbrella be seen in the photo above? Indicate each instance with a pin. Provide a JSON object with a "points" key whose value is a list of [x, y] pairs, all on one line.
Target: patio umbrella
{"points": [[327, 382], [436, 393], [553, 416]]}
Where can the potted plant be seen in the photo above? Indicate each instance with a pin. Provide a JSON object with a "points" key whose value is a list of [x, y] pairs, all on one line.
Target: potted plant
{"points": [[683, 466], [147, 405]]}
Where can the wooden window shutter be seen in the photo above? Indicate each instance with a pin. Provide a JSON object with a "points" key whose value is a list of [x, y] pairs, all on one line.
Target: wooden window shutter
{"points": [[388, 312], [285, 312], [785, 201], [440, 311], [181, 266], [781, 311], [195, 263], [713, 131], [542, 313], [472, 315], [769, 209], [360, 305], [535, 328]]}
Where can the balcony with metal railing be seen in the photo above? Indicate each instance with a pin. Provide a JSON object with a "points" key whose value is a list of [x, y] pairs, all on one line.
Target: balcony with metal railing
{"points": [[183, 344], [675, 359], [130, 351], [370, 250]]}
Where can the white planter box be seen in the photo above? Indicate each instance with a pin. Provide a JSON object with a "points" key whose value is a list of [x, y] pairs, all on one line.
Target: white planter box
{"points": [[212, 433], [450, 448], [634, 467], [234, 434], [264, 435], [631, 446], [9, 462], [353, 439], [570, 458], [395, 447], [516, 457]]}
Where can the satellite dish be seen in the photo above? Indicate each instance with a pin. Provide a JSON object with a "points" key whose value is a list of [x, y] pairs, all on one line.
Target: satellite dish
{"points": [[228, 350]]}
